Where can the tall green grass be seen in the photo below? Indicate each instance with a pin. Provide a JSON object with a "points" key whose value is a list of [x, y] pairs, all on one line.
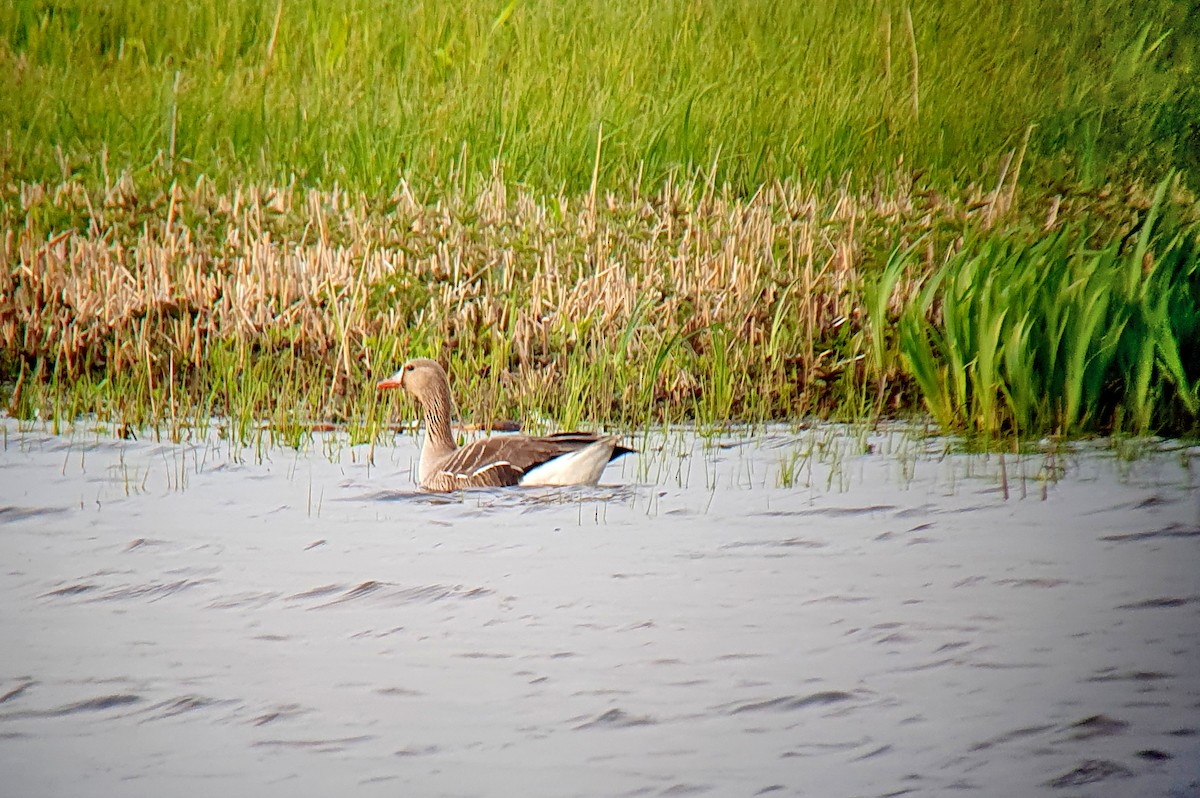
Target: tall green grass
{"points": [[365, 92], [1060, 335]]}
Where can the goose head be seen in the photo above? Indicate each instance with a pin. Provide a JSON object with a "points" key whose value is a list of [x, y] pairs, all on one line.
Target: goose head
{"points": [[425, 379]]}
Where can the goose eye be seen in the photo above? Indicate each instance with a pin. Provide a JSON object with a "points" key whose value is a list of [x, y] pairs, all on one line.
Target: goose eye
{"points": [[409, 367]]}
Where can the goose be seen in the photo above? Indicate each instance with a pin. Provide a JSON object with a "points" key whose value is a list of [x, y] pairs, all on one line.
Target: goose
{"points": [[565, 458]]}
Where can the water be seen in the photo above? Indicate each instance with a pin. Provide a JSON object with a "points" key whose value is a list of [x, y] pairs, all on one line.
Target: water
{"points": [[808, 613]]}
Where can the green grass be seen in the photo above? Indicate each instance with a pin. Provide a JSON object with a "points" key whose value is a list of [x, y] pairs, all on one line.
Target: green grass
{"points": [[365, 92], [1056, 333]]}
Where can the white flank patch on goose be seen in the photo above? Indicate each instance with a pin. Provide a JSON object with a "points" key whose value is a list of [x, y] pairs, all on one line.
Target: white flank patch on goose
{"points": [[580, 467]]}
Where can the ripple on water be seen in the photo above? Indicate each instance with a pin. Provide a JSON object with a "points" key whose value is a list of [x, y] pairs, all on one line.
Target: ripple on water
{"points": [[182, 705], [686, 789], [1114, 675], [282, 712], [784, 543], [71, 590], [316, 592], [331, 745], [880, 751], [17, 691], [616, 719], [98, 704], [151, 591], [838, 599], [1175, 530], [249, 599], [821, 748], [1047, 582], [138, 543], [790, 702], [389, 594], [11, 515], [1091, 771], [421, 750], [1096, 726], [829, 512], [1160, 603], [1008, 737]]}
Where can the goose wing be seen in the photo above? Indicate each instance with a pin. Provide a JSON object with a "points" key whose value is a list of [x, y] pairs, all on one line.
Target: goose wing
{"points": [[480, 464], [503, 460]]}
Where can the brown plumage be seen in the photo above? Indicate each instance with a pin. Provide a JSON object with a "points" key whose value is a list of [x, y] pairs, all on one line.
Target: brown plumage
{"points": [[565, 458]]}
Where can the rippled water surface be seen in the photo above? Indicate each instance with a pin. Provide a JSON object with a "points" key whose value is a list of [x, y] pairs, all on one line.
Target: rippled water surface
{"points": [[819, 612]]}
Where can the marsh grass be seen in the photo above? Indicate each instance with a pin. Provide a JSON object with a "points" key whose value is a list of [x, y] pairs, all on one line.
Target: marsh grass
{"points": [[1063, 332], [275, 309], [286, 306]]}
